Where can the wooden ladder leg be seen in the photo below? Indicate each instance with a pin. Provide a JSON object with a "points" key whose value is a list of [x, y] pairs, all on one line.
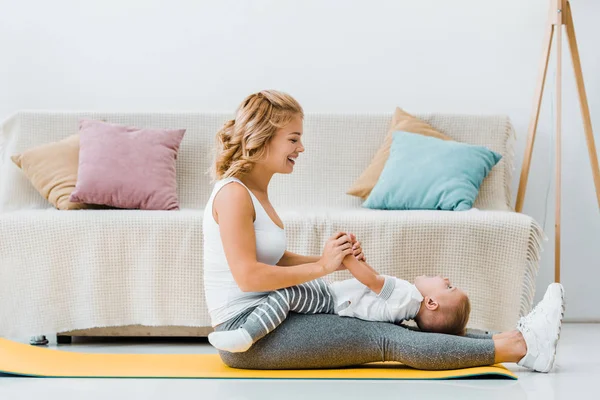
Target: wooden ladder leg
{"points": [[539, 91], [558, 150], [585, 111]]}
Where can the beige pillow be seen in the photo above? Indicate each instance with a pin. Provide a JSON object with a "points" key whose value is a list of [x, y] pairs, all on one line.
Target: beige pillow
{"points": [[52, 170], [402, 121]]}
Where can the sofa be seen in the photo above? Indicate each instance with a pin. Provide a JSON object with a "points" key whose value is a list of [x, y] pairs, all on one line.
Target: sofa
{"points": [[139, 273]]}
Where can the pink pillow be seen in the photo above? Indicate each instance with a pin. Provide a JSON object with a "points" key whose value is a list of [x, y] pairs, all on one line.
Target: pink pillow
{"points": [[127, 167]]}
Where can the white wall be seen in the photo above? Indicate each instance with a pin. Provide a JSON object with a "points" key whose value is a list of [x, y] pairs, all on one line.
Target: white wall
{"points": [[463, 56]]}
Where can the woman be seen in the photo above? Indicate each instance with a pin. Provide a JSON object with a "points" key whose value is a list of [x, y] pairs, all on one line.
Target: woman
{"points": [[245, 257]]}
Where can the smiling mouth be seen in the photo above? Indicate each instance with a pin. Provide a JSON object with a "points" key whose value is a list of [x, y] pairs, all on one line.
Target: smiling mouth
{"points": [[292, 161]]}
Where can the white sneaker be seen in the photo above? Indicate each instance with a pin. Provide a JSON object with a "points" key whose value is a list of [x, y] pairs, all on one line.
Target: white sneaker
{"points": [[541, 330]]}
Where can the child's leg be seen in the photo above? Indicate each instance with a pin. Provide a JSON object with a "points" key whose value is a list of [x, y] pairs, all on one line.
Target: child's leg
{"points": [[312, 297], [308, 298]]}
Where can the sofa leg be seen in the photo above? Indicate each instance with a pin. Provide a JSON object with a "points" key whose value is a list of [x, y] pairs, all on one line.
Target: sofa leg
{"points": [[60, 339], [38, 340]]}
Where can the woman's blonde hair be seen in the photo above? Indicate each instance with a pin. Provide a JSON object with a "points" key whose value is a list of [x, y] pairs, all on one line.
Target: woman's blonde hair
{"points": [[243, 141]]}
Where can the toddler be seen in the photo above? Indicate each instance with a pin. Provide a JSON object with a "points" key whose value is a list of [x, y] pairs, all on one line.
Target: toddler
{"points": [[432, 302]]}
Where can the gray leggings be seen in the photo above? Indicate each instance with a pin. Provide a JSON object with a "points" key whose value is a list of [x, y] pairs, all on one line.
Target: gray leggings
{"points": [[330, 341]]}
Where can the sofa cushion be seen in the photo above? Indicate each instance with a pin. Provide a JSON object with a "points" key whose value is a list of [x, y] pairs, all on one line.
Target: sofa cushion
{"points": [[401, 121], [127, 167], [339, 147], [426, 173], [52, 170]]}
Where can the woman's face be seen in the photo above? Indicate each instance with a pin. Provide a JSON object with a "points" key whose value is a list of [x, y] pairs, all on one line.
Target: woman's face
{"points": [[285, 147]]}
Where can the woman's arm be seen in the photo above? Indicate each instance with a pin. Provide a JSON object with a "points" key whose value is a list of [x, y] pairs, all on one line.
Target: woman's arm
{"points": [[290, 258], [235, 214]]}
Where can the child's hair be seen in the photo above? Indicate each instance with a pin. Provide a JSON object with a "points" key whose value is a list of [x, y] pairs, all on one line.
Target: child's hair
{"points": [[453, 320], [243, 141], [456, 318]]}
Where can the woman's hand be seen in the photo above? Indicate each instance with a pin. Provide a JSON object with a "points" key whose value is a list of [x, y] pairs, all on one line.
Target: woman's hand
{"points": [[336, 248]]}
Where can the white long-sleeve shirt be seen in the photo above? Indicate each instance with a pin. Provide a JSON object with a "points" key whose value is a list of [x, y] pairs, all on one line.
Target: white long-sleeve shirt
{"points": [[398, 300]]}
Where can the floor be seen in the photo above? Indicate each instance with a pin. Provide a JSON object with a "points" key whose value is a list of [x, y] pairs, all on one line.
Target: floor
{"points": [[576, 375]]}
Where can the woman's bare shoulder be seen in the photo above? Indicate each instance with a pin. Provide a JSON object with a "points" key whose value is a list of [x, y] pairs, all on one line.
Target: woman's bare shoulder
{"points": [[233, 198]]}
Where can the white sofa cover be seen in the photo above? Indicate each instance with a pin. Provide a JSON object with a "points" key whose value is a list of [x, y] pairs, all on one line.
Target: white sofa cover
{"points": [[72, 270]]}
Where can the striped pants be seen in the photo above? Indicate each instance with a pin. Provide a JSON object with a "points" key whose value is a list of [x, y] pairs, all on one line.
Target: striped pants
{"points": [[312, 297]]}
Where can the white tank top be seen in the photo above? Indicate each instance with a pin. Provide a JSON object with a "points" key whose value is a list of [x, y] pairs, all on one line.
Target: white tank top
{"points": [[224, 298]]}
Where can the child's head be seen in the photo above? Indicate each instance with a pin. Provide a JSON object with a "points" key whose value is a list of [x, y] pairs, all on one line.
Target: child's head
{"points": [[445, 308]]}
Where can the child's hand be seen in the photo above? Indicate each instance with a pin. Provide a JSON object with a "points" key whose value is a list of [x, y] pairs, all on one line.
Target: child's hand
{"points": [[357, 252], [357, 249]]}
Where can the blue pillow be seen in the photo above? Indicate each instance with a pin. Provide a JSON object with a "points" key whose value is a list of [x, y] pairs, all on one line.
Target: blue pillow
{"points": [[427, 173]]}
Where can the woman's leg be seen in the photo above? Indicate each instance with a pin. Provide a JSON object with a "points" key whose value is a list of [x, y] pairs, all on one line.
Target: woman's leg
{"points": [[471, 333], [509, 346], [331, 341]]}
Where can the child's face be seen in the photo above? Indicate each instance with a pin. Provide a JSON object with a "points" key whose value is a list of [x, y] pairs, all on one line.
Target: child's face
{"points": [[439, 288]]}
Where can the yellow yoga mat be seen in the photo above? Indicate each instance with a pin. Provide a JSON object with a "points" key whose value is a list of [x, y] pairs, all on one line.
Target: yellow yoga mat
{"points": [[24, 360]]}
